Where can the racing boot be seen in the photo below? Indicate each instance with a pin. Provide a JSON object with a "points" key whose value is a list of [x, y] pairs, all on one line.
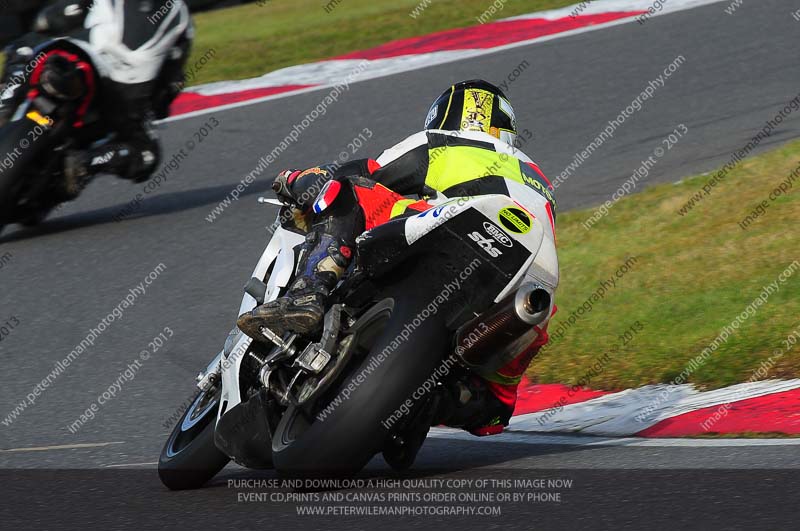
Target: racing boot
{"points": [[302, 308], [128, 160]]}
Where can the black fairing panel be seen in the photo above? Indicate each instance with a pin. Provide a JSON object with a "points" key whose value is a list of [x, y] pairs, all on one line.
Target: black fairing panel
{"points": [[244, 433], [456, 266]]}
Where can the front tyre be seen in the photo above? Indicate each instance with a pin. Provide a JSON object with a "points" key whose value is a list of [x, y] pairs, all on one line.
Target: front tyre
{"points": [[22, 151], [190, 458], [35, 218]]}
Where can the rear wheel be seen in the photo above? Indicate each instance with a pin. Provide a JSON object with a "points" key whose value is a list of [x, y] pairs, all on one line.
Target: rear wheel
{"points": [[351, 426], [190, 458]]}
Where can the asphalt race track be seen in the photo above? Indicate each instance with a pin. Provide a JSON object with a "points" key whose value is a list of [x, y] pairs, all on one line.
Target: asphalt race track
{"points": [[64, 277]]}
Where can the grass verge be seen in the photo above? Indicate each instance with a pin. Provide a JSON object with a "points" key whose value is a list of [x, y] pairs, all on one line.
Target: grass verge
{"points": [[692, 276]]}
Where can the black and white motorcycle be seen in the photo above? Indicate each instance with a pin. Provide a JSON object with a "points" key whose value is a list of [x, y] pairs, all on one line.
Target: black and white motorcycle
{"points": [[327, 405]]}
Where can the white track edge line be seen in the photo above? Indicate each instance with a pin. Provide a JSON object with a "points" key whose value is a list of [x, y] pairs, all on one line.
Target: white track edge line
{"points": [[541, 439]]}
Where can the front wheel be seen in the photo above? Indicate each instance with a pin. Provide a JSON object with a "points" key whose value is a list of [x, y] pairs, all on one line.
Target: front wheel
{"points": [[190, 458], [8, 197], [19, 162], [35, 218]]}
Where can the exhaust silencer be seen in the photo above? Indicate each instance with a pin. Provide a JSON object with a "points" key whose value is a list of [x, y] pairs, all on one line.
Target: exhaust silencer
{"points": [[493, 339]]}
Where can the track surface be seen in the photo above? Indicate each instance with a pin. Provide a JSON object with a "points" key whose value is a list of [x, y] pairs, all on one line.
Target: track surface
{"points": [[65, 276]]}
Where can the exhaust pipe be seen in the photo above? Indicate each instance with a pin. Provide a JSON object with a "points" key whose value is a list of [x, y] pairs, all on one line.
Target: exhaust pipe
{"points": [[532, 304], [493, 339]]}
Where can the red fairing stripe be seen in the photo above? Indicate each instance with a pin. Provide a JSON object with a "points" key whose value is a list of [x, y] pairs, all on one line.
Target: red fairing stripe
{"points": [[90, 83], [548, 206], [549, 209], [373, 166], [88, 76], [524, 209], [542, 175], [420, 206]]}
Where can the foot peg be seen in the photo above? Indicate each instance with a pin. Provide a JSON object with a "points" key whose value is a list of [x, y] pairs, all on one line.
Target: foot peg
{"points": [[274, 338]]}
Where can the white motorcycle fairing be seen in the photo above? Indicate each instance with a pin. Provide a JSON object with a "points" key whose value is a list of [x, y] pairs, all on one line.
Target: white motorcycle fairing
{"points": [[279, 259]]}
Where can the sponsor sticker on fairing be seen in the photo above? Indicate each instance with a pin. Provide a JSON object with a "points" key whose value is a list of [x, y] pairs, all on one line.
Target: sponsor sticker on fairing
{"points": [[515, 220], [487, 244], [497, 234]]}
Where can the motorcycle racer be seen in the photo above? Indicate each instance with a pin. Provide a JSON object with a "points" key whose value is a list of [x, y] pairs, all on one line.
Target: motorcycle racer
{"points": [[139, 48], [466, 149]]}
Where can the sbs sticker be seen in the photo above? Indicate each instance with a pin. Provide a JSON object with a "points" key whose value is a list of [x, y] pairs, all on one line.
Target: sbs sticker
{"points": [[486, 244], [515, 220]]}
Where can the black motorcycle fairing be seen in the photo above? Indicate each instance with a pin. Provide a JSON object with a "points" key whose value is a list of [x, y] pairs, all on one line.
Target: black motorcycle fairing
{"points": [[244, 432], [384, 253]]}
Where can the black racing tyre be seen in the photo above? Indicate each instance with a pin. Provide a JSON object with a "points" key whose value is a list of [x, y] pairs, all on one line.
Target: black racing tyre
{"points": [[35, 218], [8, 196], [19, 154], [352, 432], [190, 458]]}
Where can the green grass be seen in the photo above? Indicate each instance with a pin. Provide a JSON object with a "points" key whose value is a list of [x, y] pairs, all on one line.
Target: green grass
{"points": [[694, 275], [252, 40]]}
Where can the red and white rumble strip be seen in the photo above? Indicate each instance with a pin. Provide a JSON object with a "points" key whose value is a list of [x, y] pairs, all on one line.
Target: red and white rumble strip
{"points": [[660, 410], [419, 52]]}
